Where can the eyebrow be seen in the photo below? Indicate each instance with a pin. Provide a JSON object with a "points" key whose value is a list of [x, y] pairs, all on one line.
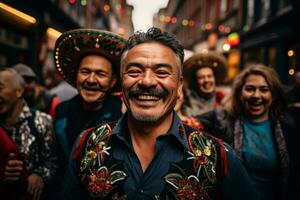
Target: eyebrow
{"points": [[156, 66], [260, 86]]}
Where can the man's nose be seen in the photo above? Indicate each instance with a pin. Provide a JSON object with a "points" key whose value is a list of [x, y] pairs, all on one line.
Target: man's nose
{"points": [[148, 80], [91, 77]]}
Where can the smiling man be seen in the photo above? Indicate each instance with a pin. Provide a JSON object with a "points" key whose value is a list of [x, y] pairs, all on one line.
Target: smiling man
{"points": [[202, 73], [28, 160], [149, 153], [89, 60]]}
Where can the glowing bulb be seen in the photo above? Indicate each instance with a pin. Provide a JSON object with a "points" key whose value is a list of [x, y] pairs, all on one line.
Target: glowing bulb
{"points": [[291, 72], [290, 53], [226, 47]]}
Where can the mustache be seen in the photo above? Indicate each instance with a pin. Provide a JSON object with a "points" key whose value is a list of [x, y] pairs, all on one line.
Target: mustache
{"points": [[134, 92], [93, 86]]}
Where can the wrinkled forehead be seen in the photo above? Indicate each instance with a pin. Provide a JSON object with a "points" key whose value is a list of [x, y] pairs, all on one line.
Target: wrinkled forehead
{"points": [[154, 51]]}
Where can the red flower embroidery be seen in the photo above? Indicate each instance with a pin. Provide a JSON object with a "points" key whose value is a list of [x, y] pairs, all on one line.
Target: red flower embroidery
{"points": [[99, 183], [191, 189]]}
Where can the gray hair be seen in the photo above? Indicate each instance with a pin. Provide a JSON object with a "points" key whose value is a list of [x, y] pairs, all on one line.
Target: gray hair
{"points": [[154, 35], [17, 80]]}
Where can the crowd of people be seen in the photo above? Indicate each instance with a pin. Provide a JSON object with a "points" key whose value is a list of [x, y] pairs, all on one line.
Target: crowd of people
{"points": [[174, 133]]}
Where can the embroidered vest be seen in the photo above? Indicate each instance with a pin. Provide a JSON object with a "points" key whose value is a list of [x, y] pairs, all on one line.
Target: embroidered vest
{"points": [[195, 177]]}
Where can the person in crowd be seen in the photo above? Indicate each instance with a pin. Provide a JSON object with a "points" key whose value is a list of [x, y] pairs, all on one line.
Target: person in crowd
{"points": [[31, 143], [35, 94], [89, 60], [202, 72], [255, 123], [149, 153], [11, 189], [63, 90], [190, 121]]}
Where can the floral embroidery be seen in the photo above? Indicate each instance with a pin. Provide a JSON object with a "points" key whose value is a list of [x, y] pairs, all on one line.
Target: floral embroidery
{"points": [[187, 188], [96, 147], [98, 179], [100, 182], [204, 155], [200, 183]]}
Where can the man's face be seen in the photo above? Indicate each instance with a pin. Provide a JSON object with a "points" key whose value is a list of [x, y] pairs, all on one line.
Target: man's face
{"points": [[9, 94], [30, 89], [150, 81], [256, 98], [94, 78], [205, 80]]}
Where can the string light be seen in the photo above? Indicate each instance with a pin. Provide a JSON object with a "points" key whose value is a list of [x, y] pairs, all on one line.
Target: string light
{"points": [[291, 71], [221, 28], [226, 47], [106, 8], [191, 23], [162, 18], [185, 22], [173, 20], [290, 53], [72, 1], [167, 19], [208, 26], [83, 2]]}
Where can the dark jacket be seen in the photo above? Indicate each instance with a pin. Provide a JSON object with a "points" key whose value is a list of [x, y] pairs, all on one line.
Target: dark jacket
{"points": [[71, 119]]}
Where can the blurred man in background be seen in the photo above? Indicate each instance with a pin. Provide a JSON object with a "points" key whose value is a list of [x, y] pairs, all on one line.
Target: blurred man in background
{"points": [[32, 133], [35, 94]]}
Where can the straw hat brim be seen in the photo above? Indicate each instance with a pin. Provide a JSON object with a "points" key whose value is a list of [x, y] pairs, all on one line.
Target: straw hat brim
{"points": [[73, 45]]}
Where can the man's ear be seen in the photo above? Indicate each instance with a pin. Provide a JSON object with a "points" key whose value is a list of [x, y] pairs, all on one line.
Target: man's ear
{"points": [[19, 92], [180, 88]]}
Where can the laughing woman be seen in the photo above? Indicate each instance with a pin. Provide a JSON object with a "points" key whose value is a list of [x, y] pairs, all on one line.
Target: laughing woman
{"points": [[255, 124]]}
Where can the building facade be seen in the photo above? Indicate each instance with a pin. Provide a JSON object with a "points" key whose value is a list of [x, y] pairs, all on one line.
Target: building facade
{"points": [[29, 28]]}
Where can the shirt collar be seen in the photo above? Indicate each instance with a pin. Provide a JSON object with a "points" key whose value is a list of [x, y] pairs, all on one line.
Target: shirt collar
{"points": [[176, 129]]}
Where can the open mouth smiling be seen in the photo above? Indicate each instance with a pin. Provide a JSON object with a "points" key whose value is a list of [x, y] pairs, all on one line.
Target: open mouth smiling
{"points": [[147, 97], [255, 103]]}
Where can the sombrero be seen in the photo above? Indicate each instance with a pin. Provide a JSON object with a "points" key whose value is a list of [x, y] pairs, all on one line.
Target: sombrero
{"points": [[73, 45], [216, 61]]}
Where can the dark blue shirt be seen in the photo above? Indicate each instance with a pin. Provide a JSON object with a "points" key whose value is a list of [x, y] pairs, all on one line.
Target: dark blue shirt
{"points": [[170, 148]]}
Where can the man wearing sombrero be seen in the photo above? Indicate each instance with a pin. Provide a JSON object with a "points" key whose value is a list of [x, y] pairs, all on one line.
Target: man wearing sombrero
{"points": [[202, 72], [89, 60]]}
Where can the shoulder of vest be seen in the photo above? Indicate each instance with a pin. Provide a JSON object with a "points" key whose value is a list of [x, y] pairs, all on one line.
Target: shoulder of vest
{"points": [[93, 135], [192, 131]]}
